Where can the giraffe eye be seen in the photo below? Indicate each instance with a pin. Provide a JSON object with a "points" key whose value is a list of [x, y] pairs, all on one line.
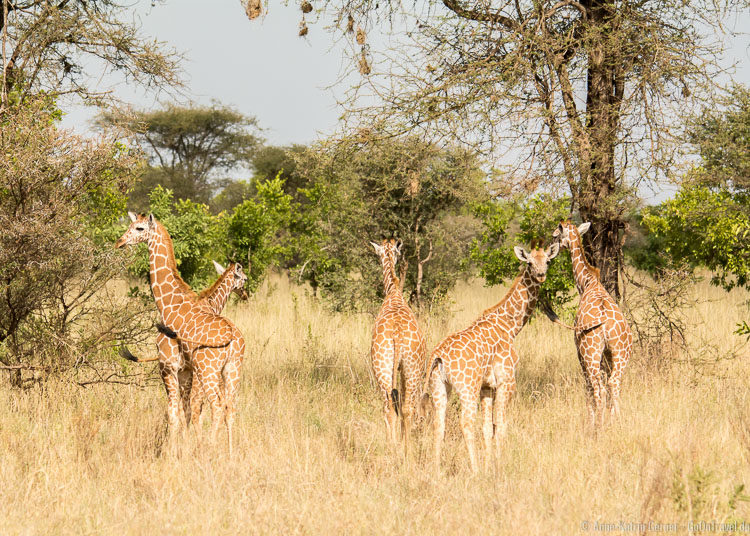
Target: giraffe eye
{"points": [[140, 228]]}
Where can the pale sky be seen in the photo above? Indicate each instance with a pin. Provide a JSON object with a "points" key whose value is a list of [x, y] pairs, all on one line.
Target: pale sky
{"points": [[263, 69]]}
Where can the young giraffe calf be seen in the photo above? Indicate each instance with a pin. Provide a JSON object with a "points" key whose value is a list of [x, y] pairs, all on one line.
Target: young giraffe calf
{"points": [[602, 334], [397, 342], [174, 364], [481, 360]]}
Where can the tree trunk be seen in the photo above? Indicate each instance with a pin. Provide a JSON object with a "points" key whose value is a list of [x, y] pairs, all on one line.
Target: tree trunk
{"points": [[597, 201], [603, 248]]}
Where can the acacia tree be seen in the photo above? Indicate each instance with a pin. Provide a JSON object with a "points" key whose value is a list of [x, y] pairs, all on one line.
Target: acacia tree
{"points": [[189, 147], [583, 95], [49, 45], [363, 190]]}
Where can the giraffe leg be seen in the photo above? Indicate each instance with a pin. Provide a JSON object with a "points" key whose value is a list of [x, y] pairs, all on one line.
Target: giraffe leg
{"points": [[505, 391], [172, 385], [619, 360], [408, 390], [439, 395], [185, 378], [210, 380], [468, 413], [487, 397], [231, 374], [590, 350], [197, 397]]}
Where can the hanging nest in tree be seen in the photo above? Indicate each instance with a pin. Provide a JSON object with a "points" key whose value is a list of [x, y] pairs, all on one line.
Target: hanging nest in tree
{"points": [[306, 7], [350, 24], [360, 36], [302, 29], [364, 65], [253, 8]]}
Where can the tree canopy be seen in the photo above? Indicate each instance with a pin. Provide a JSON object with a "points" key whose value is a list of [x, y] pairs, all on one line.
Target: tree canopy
{"points": [[48, 47], [585, 97], [189, 148]]}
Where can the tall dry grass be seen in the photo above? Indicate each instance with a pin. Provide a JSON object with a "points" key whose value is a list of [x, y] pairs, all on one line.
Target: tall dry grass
{"points": [[311, 455]]}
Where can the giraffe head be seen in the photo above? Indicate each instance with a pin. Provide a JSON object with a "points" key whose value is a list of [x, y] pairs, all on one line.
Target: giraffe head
{"points": [[538, 259], [565, 231], [140, 230], [238, 275], [388, 249]]}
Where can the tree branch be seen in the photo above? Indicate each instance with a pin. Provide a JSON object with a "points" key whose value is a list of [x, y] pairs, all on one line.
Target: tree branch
{"points": [[480, 16]]}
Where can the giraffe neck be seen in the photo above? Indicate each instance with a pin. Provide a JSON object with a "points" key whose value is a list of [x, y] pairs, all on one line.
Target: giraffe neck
{"points": [[390, 281], [582, 272], [218, 293], [517, 305], [167, 286]]}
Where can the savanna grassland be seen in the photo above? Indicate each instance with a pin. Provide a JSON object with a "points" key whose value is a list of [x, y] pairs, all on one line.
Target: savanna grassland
{"points": [[311, 457]]}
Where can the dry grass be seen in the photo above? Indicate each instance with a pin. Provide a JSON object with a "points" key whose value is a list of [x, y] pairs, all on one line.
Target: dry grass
{"points": [[311, 454]]}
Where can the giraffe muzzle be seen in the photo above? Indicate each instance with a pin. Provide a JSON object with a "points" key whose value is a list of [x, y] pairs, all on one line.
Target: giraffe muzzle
{"points": [[120, 243]]}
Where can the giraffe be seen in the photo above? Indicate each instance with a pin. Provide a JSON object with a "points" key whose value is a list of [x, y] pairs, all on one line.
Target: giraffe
{"points": [[602, 334], [215, 345], [479, 362], [174, 363], [397, 342]]}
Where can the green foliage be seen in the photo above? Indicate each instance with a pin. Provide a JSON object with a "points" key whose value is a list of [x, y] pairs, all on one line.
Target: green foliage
{"points": [[708, 221], [190, 148], [722, 136], [361, 191], [105, 202], [196, 235], [258, 229], [534, 220], [59, 195], [707, 228]]}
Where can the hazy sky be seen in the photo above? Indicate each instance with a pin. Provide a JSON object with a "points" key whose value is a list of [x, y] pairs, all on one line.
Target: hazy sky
{"points": [[264, 69]]}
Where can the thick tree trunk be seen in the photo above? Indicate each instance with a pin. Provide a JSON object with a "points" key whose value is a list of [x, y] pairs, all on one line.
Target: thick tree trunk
{"points": [[603, 248], [598, 188]]}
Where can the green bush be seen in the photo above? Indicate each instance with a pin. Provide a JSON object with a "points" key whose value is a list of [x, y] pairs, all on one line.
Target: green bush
{"points": [[507, 224]]}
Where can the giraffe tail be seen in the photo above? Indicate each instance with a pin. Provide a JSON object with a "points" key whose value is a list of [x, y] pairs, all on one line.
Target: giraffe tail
{"points": [[425, 402], [162, 328], [394, 379], [125, 354]]}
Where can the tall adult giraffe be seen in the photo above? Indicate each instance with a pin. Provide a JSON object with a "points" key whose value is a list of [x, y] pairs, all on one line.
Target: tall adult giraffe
{"points": [[174, 364], [397, 343], [480, 361], [215, 346], [602, 334]]}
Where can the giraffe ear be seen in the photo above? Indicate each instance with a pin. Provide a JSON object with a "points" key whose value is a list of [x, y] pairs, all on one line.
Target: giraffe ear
{"points": [[521, 253], [151, 220], [584, 227], [376, 246], [399, 245], [219, 268], [132, 216], [553, 250]]}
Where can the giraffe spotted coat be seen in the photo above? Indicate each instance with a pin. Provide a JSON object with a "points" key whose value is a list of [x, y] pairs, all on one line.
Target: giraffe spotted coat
{"points": [[602, 335], [480, 361], [397, 344], [215, 346], [174, 364]]}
